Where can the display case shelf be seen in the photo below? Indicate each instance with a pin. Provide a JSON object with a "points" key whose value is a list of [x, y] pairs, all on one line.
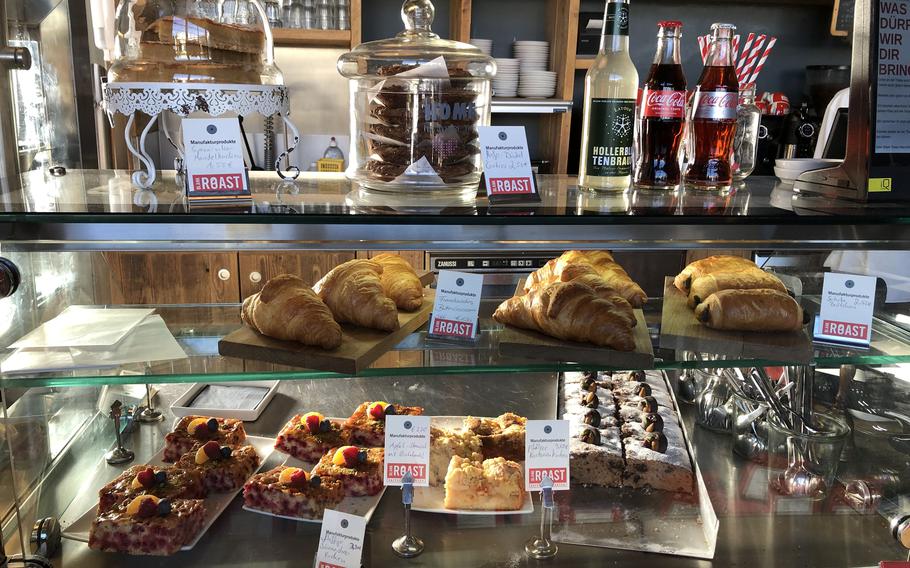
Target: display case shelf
{"points": [[285, 37], [100, 210], [199, 328]]}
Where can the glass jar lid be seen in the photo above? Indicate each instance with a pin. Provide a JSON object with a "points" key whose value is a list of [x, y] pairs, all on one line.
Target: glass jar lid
{"points": [[416, 46], [199, 41]]}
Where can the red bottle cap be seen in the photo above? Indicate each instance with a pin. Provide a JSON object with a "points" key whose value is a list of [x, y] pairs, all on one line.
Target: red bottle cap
{"points": [[669, 24]]}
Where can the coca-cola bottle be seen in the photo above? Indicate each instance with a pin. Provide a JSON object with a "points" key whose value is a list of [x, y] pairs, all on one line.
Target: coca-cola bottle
{"points": [[662, 114], [712, 124]]}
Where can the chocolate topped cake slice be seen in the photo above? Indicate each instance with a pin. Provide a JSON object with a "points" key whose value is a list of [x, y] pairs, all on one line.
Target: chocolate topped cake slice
{"points": [[654, 462], [595, 456]]}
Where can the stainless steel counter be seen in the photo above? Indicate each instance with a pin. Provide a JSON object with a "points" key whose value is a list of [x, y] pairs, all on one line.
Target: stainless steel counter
{"points": [[755, 529]]}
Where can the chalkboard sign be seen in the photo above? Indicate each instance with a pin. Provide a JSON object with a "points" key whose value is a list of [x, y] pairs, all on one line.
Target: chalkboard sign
{"points": [[842, 19]]}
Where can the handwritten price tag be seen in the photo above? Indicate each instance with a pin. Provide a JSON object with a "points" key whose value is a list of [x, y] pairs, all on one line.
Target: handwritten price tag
{"points": [[846, 310], [457, 305], [507, 164], [214, 160], [407, 449], [547, 454], [341, 540]]}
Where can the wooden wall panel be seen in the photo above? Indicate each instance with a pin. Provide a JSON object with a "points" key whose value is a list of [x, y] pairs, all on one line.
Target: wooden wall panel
{"points": [[171, 277], [562, 33], [311, 266], [356, 23], [460, 20], [417, 258]]}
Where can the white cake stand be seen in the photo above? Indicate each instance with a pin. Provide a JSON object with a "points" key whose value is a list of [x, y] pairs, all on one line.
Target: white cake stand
{"points": [[183, 99]]}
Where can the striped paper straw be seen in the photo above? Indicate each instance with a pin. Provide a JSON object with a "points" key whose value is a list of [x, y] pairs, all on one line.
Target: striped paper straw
{"points": [[761, 61], [735, 49], [703, 48], [753, 57], [745, 52]]}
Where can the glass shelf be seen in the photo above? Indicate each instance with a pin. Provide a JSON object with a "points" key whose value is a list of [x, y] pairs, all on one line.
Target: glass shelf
{"points": [[100, 210], [199, 328]]}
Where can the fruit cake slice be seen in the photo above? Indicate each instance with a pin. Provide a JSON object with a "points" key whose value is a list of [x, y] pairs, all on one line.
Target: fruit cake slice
{"points": [[193, 430], [358, 469], [308, 437], [163, 482], [148, 525], [292, 492], [367, 424], [503, 436], [656, 463], [223, 468], [495, 484]]}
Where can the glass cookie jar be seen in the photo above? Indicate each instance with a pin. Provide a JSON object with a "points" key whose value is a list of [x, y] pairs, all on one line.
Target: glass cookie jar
{"points": [[417, 102], [203, 41]]}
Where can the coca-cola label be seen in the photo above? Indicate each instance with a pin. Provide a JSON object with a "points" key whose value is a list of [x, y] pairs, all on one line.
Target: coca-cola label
{"points": [[716, 105], [664, 104]]}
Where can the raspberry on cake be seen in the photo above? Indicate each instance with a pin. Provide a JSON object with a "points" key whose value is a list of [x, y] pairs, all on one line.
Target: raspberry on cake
{"points": [[192, 430], [447, 443], [223, 468], [163, 482], [367, 424], [492, 485], [308, 437], [503, 436], [148, 525], [358, 469], [292, 492]]}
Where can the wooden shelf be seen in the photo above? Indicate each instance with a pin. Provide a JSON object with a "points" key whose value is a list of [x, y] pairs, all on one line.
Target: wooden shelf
{"points": [[285, 37], [584, 62]]}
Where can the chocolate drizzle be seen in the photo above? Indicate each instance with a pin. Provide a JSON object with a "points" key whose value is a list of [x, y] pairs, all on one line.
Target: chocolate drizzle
{"points": [[592, 418], [589, 384], [643, 389], [590, 400], [648, 404], [656, 441], [591, 436]]}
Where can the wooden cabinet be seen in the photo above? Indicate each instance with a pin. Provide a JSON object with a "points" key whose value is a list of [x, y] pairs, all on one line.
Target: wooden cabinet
{"points": [[256, 268], [168, 278]]}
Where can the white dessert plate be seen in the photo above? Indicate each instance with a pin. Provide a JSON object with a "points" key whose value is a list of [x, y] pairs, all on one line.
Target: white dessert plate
{"points": [[790, 169], [431, 499], [215, 504], [360, 506]]}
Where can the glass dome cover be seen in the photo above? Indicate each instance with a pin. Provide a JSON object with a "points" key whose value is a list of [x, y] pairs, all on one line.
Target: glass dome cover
{"points": [[193, 41], [416, 45]]}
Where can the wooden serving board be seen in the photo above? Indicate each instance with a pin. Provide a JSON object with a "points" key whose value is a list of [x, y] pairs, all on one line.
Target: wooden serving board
{"points": [[519, 342], [680, 330], [359, 346]]}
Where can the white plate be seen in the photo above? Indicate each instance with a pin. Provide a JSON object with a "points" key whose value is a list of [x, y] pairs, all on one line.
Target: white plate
{"points": [[360, 506], [431, 499], [790, 169], [215, 503], [180, 408]]}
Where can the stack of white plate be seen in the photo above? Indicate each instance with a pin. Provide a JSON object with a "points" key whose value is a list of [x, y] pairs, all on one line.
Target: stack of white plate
{"points": [[505, 83], [484, 45], [534, 55], [537, 84], [790, 169]]}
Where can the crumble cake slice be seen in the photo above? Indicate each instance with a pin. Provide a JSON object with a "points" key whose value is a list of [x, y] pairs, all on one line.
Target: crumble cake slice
{"points": [[494, 484], [367, 424], [163, 482], [223, 468], [309, 436], [503, 436], [358, 469], [446, 443], [148, 525]]}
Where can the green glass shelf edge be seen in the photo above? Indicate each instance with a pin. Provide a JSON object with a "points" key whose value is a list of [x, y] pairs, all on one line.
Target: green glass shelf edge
{"points": [[430, 372]]}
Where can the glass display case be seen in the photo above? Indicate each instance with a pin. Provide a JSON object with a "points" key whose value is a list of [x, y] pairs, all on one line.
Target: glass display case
{"points": [[90, 238]]}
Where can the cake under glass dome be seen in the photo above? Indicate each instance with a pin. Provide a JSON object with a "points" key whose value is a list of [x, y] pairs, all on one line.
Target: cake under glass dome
{"points": [[193, 41]]}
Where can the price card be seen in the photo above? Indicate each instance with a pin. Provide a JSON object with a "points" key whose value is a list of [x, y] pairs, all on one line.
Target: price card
{"points": [[846, 309], [341, 540], [507, 164], [547, 453], [457, 305], [216, 173], [407, 449]]}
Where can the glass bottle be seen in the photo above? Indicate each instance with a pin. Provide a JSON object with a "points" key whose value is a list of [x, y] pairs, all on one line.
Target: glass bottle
{"points": [[333, 151], [296, 17], [343, 14], [611, 87], [712, 124], [273, 13], [662, 114], [309, 15], [286, 13], [324, 19], [745, 143]]}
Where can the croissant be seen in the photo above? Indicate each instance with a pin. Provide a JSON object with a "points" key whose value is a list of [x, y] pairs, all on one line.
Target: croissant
{"points": [[718, 263], [286, 308], [400, 282], [749, 278], [606, 292], [751, 310], [353, 291], [573, 263], [571, 311]]}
